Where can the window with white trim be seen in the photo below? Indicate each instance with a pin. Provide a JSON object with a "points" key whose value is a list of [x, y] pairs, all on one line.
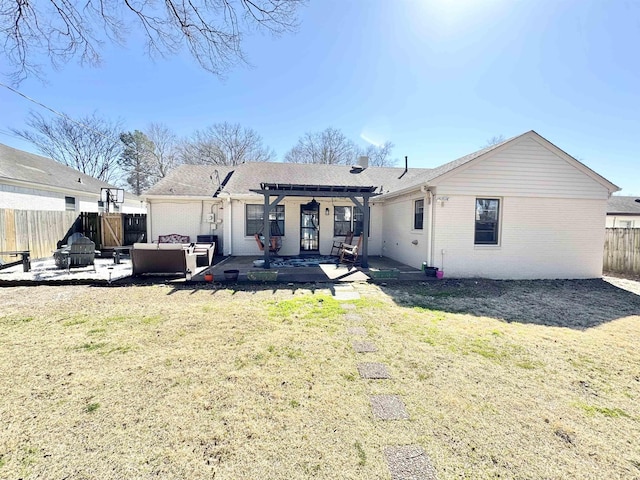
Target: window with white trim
{"points": [[254, 219], [418, 214], [70, 204], [487, 221], [348, 219]]}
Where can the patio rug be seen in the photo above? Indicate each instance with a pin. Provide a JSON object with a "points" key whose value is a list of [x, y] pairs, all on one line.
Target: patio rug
{"points": [[312, 261]]}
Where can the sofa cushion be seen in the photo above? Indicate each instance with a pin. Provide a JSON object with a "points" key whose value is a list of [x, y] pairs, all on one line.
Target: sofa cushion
{"points": [[169, 246]]}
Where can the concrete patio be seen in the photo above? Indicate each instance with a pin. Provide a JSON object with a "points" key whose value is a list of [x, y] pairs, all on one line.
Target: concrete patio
{"points": [[380, 269], [44, 271]]}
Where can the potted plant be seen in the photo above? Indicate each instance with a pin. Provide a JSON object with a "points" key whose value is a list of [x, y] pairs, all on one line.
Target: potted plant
{"points": [[231, 275], [208, 276]]}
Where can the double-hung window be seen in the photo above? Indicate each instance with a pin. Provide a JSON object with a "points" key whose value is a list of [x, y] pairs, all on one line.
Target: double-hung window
{"points": [[254, 219], [70, 204], [418, 214], [487, 221], [346, 219]]}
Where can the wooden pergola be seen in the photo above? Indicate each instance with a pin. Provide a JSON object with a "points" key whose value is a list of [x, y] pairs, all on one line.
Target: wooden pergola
{"points": [[359, 195]]}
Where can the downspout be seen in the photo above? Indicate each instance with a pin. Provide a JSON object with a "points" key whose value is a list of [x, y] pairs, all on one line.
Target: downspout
{"points": [[228, 229], [431, 228], [149, 229]]}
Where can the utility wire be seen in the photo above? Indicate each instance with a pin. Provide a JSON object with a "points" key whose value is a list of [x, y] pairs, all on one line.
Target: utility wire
{"points": [[63, 115]]}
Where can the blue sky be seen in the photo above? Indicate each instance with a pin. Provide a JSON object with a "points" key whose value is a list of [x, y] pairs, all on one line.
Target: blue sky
{"points": [[437, 78]]}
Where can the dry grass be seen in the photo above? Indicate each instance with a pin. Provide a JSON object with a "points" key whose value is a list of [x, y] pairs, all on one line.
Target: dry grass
{"points": [[501, 379]]}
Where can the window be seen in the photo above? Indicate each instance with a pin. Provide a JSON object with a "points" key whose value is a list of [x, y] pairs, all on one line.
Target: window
{"points": [[418, 214], [341, 221], [254, 219], [70, 204], [347, 219], [487, 217]]}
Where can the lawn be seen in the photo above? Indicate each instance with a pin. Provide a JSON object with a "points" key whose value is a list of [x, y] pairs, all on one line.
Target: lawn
{"points": [[522, 380]]}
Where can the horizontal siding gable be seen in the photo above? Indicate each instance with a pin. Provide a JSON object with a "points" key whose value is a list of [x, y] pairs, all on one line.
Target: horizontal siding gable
{"points": [[524, 168]]}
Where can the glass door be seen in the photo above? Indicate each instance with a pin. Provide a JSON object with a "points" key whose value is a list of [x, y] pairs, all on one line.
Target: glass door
{"points": [[310, 227]]}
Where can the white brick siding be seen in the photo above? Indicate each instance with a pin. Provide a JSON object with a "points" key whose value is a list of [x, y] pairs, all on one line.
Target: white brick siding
{"points": [[539, 238]]}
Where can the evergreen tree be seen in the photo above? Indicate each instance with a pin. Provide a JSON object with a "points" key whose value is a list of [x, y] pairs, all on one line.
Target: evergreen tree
{"points": [[136, 160]]}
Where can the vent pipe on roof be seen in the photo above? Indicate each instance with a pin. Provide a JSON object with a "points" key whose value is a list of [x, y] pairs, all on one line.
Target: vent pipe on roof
{"points": [[363, 162], [406, 167]]}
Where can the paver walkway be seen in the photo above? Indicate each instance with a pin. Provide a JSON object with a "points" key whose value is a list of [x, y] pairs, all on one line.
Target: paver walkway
{"points": [[405, 462]]}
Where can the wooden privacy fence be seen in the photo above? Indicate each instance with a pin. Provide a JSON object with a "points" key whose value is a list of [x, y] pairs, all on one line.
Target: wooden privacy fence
{"points": [[622, 250], [122, 229], [37, 231], [42, 232]]}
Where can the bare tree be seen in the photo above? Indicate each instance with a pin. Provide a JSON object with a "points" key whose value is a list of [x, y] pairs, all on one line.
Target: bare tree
{"points": [[496, 139], [225, 144], [90, 144], [211, 30], [328, 147], [165, 154], [380, 155]]}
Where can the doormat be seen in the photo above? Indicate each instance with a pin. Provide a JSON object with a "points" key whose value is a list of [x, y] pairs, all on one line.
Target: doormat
{"points": [[314, 261]]}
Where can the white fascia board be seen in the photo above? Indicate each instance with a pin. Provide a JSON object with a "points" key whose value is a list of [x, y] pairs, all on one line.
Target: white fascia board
{"points": [[151, 198], [403, 191], [47, 188]]}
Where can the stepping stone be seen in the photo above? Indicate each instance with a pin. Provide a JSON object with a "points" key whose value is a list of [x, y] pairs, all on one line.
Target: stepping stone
{"points": [[348, 306], [409, 462], [373, 370], [353, 317], [345, 292], [364, 347], [388, 407], [357, 331]]}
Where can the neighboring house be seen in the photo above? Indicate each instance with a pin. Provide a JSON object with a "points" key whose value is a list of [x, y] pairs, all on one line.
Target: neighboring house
{"points": [[623, 212], [519, 209], [32, 182]]}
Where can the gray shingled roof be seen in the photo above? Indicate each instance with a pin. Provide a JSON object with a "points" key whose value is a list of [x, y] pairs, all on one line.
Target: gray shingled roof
{"points": [[42, 171], [191, 180], [196, 180], [620, 205]]}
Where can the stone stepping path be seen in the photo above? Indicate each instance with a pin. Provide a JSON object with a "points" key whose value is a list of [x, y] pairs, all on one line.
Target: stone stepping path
{"points": [[388, 407], [357, 331], [345, 292], [405, 462], [409, 462], [353, 317], [373, 370], [364, 347]]}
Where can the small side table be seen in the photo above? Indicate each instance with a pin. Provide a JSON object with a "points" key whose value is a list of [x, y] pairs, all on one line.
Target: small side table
{"points": [[117, 252], [26, 259]]}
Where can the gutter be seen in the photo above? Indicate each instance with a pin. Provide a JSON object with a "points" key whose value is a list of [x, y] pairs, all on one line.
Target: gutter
{"points": [[422, 187]]}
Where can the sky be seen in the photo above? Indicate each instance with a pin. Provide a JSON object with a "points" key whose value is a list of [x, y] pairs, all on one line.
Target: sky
{"points": [[438, 78]]}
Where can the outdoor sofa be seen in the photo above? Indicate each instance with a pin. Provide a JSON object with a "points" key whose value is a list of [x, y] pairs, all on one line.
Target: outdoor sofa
{"points": [[167, 258]]}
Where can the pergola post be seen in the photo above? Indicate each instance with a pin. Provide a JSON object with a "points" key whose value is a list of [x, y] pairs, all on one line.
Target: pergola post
{"points": [[364, 206], [267, 226], [266, 229]]}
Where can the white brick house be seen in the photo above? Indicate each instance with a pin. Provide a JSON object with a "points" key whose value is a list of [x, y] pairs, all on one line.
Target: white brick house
{"points": [[519, 209]]}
